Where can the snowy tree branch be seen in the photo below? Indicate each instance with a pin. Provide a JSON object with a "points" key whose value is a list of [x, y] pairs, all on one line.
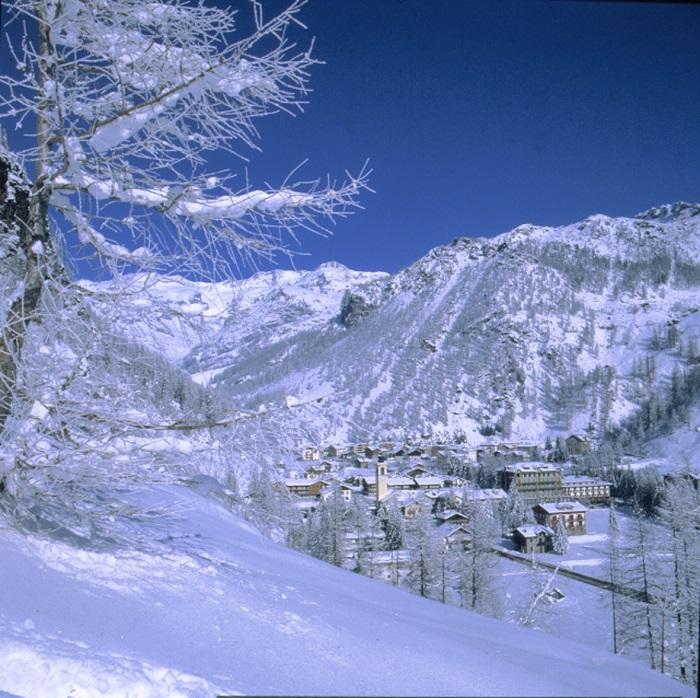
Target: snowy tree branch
{"points": [[132, 100]]}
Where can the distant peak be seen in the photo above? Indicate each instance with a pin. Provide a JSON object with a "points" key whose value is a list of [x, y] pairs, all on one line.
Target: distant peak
{"points": [[670, 212], [332, 265]]}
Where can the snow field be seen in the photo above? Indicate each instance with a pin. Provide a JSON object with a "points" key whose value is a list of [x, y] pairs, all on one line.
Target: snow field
{"points": [[211, 606]]}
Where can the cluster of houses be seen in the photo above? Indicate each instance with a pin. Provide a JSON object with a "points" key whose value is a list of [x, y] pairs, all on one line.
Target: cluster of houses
{"points": [[552, 496], [415, 488], [375, 475], [383, 476], [364, 453]]}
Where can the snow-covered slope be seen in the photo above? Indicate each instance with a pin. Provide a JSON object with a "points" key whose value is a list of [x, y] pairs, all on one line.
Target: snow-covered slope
{"points": [[209, 326], [536, 332], [539, 330], [209, 606]]}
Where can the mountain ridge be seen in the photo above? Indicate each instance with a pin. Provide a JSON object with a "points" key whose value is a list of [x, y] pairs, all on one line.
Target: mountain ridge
{"points": [[538, 331], [592, 288]]}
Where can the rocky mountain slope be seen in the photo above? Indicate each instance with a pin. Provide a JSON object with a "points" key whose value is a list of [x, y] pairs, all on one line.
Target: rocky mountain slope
{"points": [[537, 331]]}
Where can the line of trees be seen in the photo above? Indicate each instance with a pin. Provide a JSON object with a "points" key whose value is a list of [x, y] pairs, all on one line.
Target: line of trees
{"points": [[659, 558], [354, 536]]}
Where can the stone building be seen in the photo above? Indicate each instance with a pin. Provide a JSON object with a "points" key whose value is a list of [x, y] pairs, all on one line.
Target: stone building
{"points": [[573, 514], [533, 538]]}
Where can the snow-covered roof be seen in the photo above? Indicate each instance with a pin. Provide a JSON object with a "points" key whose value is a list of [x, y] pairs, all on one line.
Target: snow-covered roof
{"points": [[562, 507], [534, 466], [399, 480], [405, 497], [429, 480], [533, 530], [448, 514], [515, 446], [449, 530], [583, 480], [338, 486], [350, 471], [299, 482], [481, 495]]}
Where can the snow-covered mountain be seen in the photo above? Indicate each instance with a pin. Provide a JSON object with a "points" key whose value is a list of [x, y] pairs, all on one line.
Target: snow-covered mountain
{"points": [[119, 580], [537, 331], [210, 326]]}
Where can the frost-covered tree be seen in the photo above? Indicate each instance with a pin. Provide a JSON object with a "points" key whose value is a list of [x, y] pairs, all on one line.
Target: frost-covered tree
{"points": [[561, 538], [328, 527], [514, 512], [119, 110], [267, 502], [425, 564], [680, 512], [393, 524], [655, 574], [476, 565], [131, 100], [372, 543], [614, 569], [537, 604], [560, 453], [118, 107], [638, 632]]}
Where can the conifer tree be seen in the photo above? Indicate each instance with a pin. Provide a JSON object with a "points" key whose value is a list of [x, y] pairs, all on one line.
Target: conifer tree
{"points": [[561, 538], [515, 512], [393, 525]]}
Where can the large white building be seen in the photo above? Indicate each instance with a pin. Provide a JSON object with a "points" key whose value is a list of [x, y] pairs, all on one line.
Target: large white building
{"points": [[589, 489]]}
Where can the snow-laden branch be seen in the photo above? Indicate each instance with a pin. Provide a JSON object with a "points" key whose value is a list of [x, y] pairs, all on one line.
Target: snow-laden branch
{"points": [[132, 99], [200, 209], [89, 236], [126, 124], [153, 75]]}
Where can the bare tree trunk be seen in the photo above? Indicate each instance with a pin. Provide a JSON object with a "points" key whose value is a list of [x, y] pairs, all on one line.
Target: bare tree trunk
{"points": [[647, 595], [681, 620], [614, 612], [19, 213], [28, 214]]}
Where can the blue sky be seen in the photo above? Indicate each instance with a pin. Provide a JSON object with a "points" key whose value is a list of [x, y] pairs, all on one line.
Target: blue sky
{"points": [[479, 116]]}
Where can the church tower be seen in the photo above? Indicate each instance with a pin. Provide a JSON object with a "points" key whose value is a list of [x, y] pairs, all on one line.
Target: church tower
{"points": [[382, 486]]}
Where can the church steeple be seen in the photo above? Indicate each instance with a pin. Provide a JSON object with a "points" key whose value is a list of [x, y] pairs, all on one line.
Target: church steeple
{"points": [[382, 486]]}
